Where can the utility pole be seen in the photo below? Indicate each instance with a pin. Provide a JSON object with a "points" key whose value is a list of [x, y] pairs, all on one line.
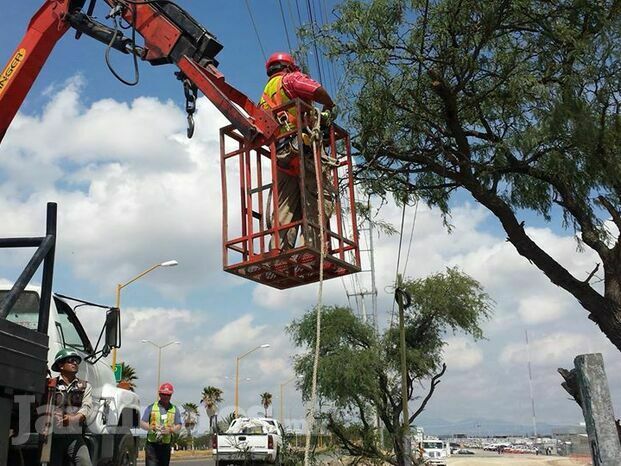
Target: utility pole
{"points": [[361, 293], [530, 386], [406, 445]]}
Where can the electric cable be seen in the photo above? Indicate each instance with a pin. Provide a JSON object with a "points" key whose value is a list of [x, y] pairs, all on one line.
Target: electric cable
{"points": [[256, 31], [392, 312], [282, 15], [420, 65], [407, 256], [323, 10], [312, 26]]}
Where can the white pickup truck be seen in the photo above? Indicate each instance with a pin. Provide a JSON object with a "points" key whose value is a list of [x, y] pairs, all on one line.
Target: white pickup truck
{"points": [[256, 440]]}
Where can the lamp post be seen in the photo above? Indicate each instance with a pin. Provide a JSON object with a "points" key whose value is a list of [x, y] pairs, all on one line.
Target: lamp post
{"points": [[237, 375], [120, 286], [282, 397], [159, 355]]}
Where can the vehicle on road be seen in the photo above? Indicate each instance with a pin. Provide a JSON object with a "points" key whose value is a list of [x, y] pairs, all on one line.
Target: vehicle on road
{"points": [[249, 440], [434, 452]]}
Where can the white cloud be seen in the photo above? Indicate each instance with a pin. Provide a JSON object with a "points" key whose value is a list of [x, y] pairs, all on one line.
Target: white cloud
{"points": [[132, 191], [240, 335], [462, 354], [550, 349], [542, 308]]}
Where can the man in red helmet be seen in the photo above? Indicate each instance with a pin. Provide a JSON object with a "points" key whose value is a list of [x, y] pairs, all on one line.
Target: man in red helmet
{"points": [[286, 82], [161, 419]]}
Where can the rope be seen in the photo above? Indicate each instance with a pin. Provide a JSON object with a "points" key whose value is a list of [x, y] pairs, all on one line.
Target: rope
{"points": [[256, 31], [310, 420]]}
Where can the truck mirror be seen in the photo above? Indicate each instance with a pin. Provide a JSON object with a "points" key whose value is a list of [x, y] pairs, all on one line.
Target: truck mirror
{"points": [[113, 328]]}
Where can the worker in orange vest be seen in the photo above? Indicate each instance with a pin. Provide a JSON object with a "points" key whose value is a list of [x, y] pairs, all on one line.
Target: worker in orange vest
{"points": [[286, 82]]}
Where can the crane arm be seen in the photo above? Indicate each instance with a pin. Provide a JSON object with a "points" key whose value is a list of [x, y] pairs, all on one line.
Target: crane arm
{"points": [[171, 36], [45, 29]]}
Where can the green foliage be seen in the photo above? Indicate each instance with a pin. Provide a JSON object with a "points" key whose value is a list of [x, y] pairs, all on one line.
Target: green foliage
{"points": [[358, 372], [516, 102], [128, 375]]}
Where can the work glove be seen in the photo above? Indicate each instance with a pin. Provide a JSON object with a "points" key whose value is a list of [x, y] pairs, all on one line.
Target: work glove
{"points": [[328, 116]]}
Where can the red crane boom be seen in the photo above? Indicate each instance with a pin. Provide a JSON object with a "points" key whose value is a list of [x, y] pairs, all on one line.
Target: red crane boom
{"points": [[171, 36]]}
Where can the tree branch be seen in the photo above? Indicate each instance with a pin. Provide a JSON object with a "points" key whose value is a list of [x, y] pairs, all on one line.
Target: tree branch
{"points": [[435, 380], [614, 213]]}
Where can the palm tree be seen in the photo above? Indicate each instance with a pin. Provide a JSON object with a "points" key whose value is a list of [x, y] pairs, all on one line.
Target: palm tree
{"points": [[190, 419], [211, 396], [190, 416], [266, 401], [128, 376]]}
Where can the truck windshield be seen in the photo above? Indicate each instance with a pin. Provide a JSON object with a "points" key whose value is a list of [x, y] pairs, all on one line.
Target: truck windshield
{"points": [[26, 309], [68, 333], [432, 445]]}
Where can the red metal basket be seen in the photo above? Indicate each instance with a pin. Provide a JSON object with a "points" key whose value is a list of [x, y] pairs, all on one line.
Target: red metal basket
{"points": [[252, 238]]}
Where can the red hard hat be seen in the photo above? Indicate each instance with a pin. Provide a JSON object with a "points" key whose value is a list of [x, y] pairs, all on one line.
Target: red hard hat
{"points": [[280, 57], [166, 389]]}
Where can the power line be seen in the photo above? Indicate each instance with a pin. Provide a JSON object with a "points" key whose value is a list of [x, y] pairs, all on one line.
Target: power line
{"points": [[256, 31], [282, 14], [312, 26], [392, 312], [407, 257], [330, 67], [303, 59]]}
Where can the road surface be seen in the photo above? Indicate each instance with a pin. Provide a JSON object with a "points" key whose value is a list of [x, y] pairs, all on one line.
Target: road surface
{"points": [[475, 460], [188, 462], [515, 460]]}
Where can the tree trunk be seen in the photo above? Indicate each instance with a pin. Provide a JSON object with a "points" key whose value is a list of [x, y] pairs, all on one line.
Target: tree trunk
{"points": [[398, 448]]}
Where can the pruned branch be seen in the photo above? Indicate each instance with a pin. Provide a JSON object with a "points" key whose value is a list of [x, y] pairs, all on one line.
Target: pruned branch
{"points": [[593, 272]]}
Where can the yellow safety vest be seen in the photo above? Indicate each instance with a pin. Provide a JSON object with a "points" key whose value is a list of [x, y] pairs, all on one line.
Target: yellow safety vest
{"points": [[274, 95], [157, 418]]}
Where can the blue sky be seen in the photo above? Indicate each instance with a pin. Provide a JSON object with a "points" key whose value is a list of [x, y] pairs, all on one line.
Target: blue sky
{"points": [[133, 191]]}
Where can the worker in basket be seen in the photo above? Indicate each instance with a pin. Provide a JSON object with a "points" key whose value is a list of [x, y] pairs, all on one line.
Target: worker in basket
{"points": [[286, 82]]}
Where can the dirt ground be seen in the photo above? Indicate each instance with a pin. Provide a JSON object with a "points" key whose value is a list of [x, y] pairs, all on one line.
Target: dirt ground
{"points": [[516, 460]]}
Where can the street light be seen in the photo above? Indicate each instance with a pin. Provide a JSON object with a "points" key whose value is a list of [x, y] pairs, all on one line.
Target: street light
{"points": [[159, 355], [282, 397], [237, 374], [120, 286]]}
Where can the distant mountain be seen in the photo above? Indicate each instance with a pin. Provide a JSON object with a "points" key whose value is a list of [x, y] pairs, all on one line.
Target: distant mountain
{"points": [[480, 427]]}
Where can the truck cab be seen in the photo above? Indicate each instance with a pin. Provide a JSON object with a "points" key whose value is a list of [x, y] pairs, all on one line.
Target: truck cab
{"points": [[434, 452], [108, 430]]}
